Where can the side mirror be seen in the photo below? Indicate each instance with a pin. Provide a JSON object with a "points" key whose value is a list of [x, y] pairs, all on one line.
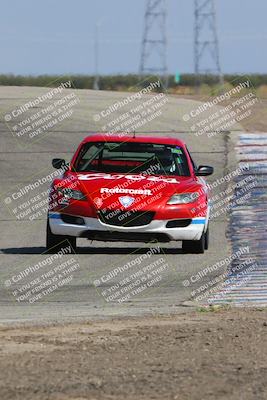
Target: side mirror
{"points": [[204, 170], [58, 163]]}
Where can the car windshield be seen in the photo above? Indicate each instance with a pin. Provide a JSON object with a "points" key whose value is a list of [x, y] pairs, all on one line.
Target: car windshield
{"points": [[129, 157]]}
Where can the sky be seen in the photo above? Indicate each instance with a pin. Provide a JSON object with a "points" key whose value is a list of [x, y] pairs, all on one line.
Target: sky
{"points": [[57, 36]]}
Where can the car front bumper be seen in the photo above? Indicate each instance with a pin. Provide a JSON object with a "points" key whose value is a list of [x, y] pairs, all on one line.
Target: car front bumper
{"points": [[190, 232]]}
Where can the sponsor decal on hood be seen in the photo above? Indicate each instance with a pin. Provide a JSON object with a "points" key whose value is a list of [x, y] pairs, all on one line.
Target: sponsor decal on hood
{"points": [[128, 191], [126, 201], [89, 177]]}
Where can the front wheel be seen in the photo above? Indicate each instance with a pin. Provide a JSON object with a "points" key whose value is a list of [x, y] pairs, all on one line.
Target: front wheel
{"points": [[55, 243], [195, 246]]}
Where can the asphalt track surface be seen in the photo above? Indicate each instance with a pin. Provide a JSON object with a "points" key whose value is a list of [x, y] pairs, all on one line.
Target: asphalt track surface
{"points": [[23, 241]]}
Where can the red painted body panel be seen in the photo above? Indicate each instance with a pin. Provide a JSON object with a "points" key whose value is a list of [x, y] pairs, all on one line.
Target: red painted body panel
{"points": [[150, 192]]}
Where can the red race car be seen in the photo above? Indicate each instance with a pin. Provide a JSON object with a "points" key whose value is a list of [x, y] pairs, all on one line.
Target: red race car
{"points": [[139, 189]]}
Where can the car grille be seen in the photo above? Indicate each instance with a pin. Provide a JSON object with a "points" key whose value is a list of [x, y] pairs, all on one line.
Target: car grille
{"points": [[126, 218], [115, 236]]}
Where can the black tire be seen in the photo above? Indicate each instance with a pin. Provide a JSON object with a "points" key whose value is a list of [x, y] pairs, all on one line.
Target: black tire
{"points": [[194, 246], [207, 238], [55, 243]]}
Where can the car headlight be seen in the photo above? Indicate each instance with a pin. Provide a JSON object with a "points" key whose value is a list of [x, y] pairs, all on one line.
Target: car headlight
{"points": [[71, 194], [183, 198]]}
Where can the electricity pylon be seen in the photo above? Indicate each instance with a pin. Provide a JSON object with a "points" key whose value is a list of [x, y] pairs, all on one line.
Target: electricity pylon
{"points": [[206, 47], [96, 45], [154, 43]]}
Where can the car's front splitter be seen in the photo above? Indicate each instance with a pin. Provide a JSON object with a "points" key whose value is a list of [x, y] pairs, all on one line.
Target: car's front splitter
{"points": [[190, 232]]}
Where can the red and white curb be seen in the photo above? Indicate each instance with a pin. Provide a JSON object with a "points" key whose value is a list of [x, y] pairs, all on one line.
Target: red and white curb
{"points": [[248, 227]]}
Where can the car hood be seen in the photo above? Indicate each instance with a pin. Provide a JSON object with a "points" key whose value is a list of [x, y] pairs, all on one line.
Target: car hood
{"points": [[105, 189]]}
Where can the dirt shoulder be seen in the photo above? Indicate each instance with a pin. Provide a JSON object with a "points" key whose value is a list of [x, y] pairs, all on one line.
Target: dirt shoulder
{"points": [[199, 355]]}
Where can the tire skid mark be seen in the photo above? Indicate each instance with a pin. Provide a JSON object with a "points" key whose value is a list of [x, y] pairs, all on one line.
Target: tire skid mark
{"points": [[248, 227]]}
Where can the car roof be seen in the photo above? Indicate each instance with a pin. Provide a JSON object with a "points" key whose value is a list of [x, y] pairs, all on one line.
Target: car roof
{"points": [[102, 137]]}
